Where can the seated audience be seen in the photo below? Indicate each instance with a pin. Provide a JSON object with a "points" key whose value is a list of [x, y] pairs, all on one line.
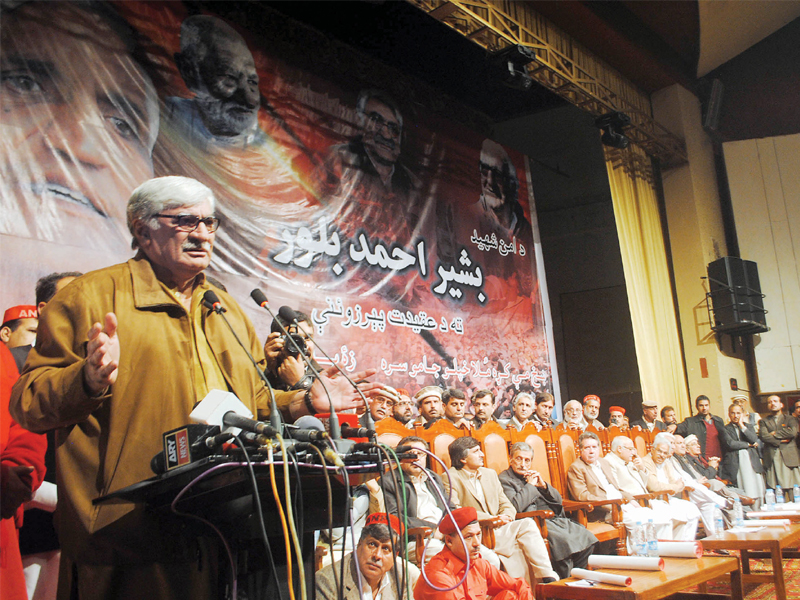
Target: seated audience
{"points": [[670, 418], [616, 418], [573, 417], [781, 457], [741, 463], [455, 404], [688, 456], [518, 543], [376, 556], [425, 497], [571, 544], [403, 408], [649, 421], [796, 411], [429, 405], [591, 479], [707, 427], [543, 411], [591, 410], [446, 569], [483, 407], [381, 404], [631, 475], [665, 475], [523, 409]]}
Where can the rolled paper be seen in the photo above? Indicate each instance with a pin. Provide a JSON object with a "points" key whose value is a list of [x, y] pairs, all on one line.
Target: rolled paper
{"points": [[773, 513], [636, 563], [622, 580], [680, 549], [767, 523]]}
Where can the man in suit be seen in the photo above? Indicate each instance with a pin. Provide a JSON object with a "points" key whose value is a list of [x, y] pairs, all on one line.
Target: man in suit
{"points": [[519, 543], [425, 500], [680, 516], [591, 479], [707, 427], [523, 409], [545, 402], [483, 408], [741, 463], [687, 453], [376, 554], [571, 544], [781, 458], [649, 422]]}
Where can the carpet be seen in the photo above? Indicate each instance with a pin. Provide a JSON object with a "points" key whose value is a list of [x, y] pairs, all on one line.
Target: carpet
{"points": [[763, 591]]}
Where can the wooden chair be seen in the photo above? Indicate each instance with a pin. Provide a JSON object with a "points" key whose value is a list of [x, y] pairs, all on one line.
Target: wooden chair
{"points": [[643, 440], [603, 531], [390, 431], [439, 436], [494, 444]]}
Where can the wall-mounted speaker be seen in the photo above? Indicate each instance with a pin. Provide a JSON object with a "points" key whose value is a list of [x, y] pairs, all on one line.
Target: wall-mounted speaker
{"points": [[737, 304]]}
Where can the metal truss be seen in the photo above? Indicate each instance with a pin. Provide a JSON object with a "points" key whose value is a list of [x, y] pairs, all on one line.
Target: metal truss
{"points": [[561, 65]]}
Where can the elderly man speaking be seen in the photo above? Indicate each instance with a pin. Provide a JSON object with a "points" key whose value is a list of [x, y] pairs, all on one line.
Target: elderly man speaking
{"points": [[123, 355]]}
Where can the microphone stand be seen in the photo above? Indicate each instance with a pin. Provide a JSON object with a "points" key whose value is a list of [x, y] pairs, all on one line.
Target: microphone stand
{"points": [[211, 301]]}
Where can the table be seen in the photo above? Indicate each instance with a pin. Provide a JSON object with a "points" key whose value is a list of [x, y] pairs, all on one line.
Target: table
{"points": [[678, 574], [770, 539]]}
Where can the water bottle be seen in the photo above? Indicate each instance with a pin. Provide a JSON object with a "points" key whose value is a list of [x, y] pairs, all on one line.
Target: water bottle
{"points": [[779, 495], [796, 493], [769, 499], [652, 540], [639, 541], [738, 513], [719, 523]]}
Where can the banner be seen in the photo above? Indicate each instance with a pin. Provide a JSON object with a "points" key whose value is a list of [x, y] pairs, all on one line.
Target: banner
{"points": [[404, 236]]}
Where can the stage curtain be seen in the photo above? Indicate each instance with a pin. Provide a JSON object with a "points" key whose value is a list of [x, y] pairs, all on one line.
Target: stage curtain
{"points": [[644, 260]]}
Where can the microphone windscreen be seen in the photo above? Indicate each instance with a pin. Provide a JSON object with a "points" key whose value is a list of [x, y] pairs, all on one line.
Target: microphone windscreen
{"points": [[287, 313], [259, 297], [309, 422], [211, 297]]}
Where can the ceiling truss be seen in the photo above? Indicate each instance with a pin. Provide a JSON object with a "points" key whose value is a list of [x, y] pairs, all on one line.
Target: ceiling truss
{"points": [[561, 65]]}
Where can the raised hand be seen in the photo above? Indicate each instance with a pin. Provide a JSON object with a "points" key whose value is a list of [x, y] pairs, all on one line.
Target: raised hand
{"points": [[102, 360]]}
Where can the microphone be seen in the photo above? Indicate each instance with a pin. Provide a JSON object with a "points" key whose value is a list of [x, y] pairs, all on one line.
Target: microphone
{"points": [[225, 409], [231, 419], [248, 437], [307, 429], [355, 432], [212, 301]]}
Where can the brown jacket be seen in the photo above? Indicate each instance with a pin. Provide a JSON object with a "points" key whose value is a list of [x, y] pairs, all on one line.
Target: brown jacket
{"points": [[106, 443], [585, 486], [496, 502]]}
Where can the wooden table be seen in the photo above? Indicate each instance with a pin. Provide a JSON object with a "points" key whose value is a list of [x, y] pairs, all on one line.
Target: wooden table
{"points": [[678, 574], [770, 539]]}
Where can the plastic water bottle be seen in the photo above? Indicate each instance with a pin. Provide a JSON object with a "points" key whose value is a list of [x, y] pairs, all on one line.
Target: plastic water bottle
{"points": [[719, 523], [738, 513], [796, 493], [652, 540], [779, 495], [639, 541], [769, 499]]}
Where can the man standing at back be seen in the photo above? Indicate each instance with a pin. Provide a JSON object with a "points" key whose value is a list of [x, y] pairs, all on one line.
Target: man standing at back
{"points": [[113, 391], [707, 427], [781, 458]]}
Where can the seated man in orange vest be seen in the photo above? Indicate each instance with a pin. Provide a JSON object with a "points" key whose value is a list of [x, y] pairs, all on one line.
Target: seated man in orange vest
{"points": [[459, 573]]}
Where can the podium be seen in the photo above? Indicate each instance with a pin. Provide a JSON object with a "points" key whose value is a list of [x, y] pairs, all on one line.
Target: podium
{"points": [[221, 492]]}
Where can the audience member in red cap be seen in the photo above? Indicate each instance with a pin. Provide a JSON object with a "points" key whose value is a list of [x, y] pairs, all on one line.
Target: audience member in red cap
{"points": [[19, 326], [447, 568], [371, 574], [591, 410], [616, 417]]}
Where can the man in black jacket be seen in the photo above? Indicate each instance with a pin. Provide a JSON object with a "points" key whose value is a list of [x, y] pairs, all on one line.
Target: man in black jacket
{"points": [[570, 543], [707, 427]]}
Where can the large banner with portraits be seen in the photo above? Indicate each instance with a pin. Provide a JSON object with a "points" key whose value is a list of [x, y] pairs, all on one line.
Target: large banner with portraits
{"points": [[405, 236]]}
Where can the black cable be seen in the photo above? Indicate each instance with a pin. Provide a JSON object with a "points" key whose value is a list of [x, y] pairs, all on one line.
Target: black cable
{"points": [[399, 504], [330, 518], [262, 526]]}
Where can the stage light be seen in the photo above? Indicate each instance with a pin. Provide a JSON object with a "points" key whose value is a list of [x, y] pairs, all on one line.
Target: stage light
{"points": [[612, 125], [513, 61]]}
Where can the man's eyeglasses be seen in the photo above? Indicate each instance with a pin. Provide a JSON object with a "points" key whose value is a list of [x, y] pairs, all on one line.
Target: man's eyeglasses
{"points": [[379, 123], [189, 223]]}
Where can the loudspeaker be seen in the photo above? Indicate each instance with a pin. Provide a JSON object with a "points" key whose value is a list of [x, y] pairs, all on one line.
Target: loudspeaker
{"points": [[713, 105], [736, 299]]}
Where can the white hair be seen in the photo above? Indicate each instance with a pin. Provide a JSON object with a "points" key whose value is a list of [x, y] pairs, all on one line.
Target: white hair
{"points": [[163, 193], [663, 438], [617, 441]]}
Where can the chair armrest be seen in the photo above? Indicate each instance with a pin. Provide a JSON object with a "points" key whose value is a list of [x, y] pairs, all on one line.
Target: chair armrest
{"points": [[487, 530], [572, 506], [536, 514], [419, 531]]}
